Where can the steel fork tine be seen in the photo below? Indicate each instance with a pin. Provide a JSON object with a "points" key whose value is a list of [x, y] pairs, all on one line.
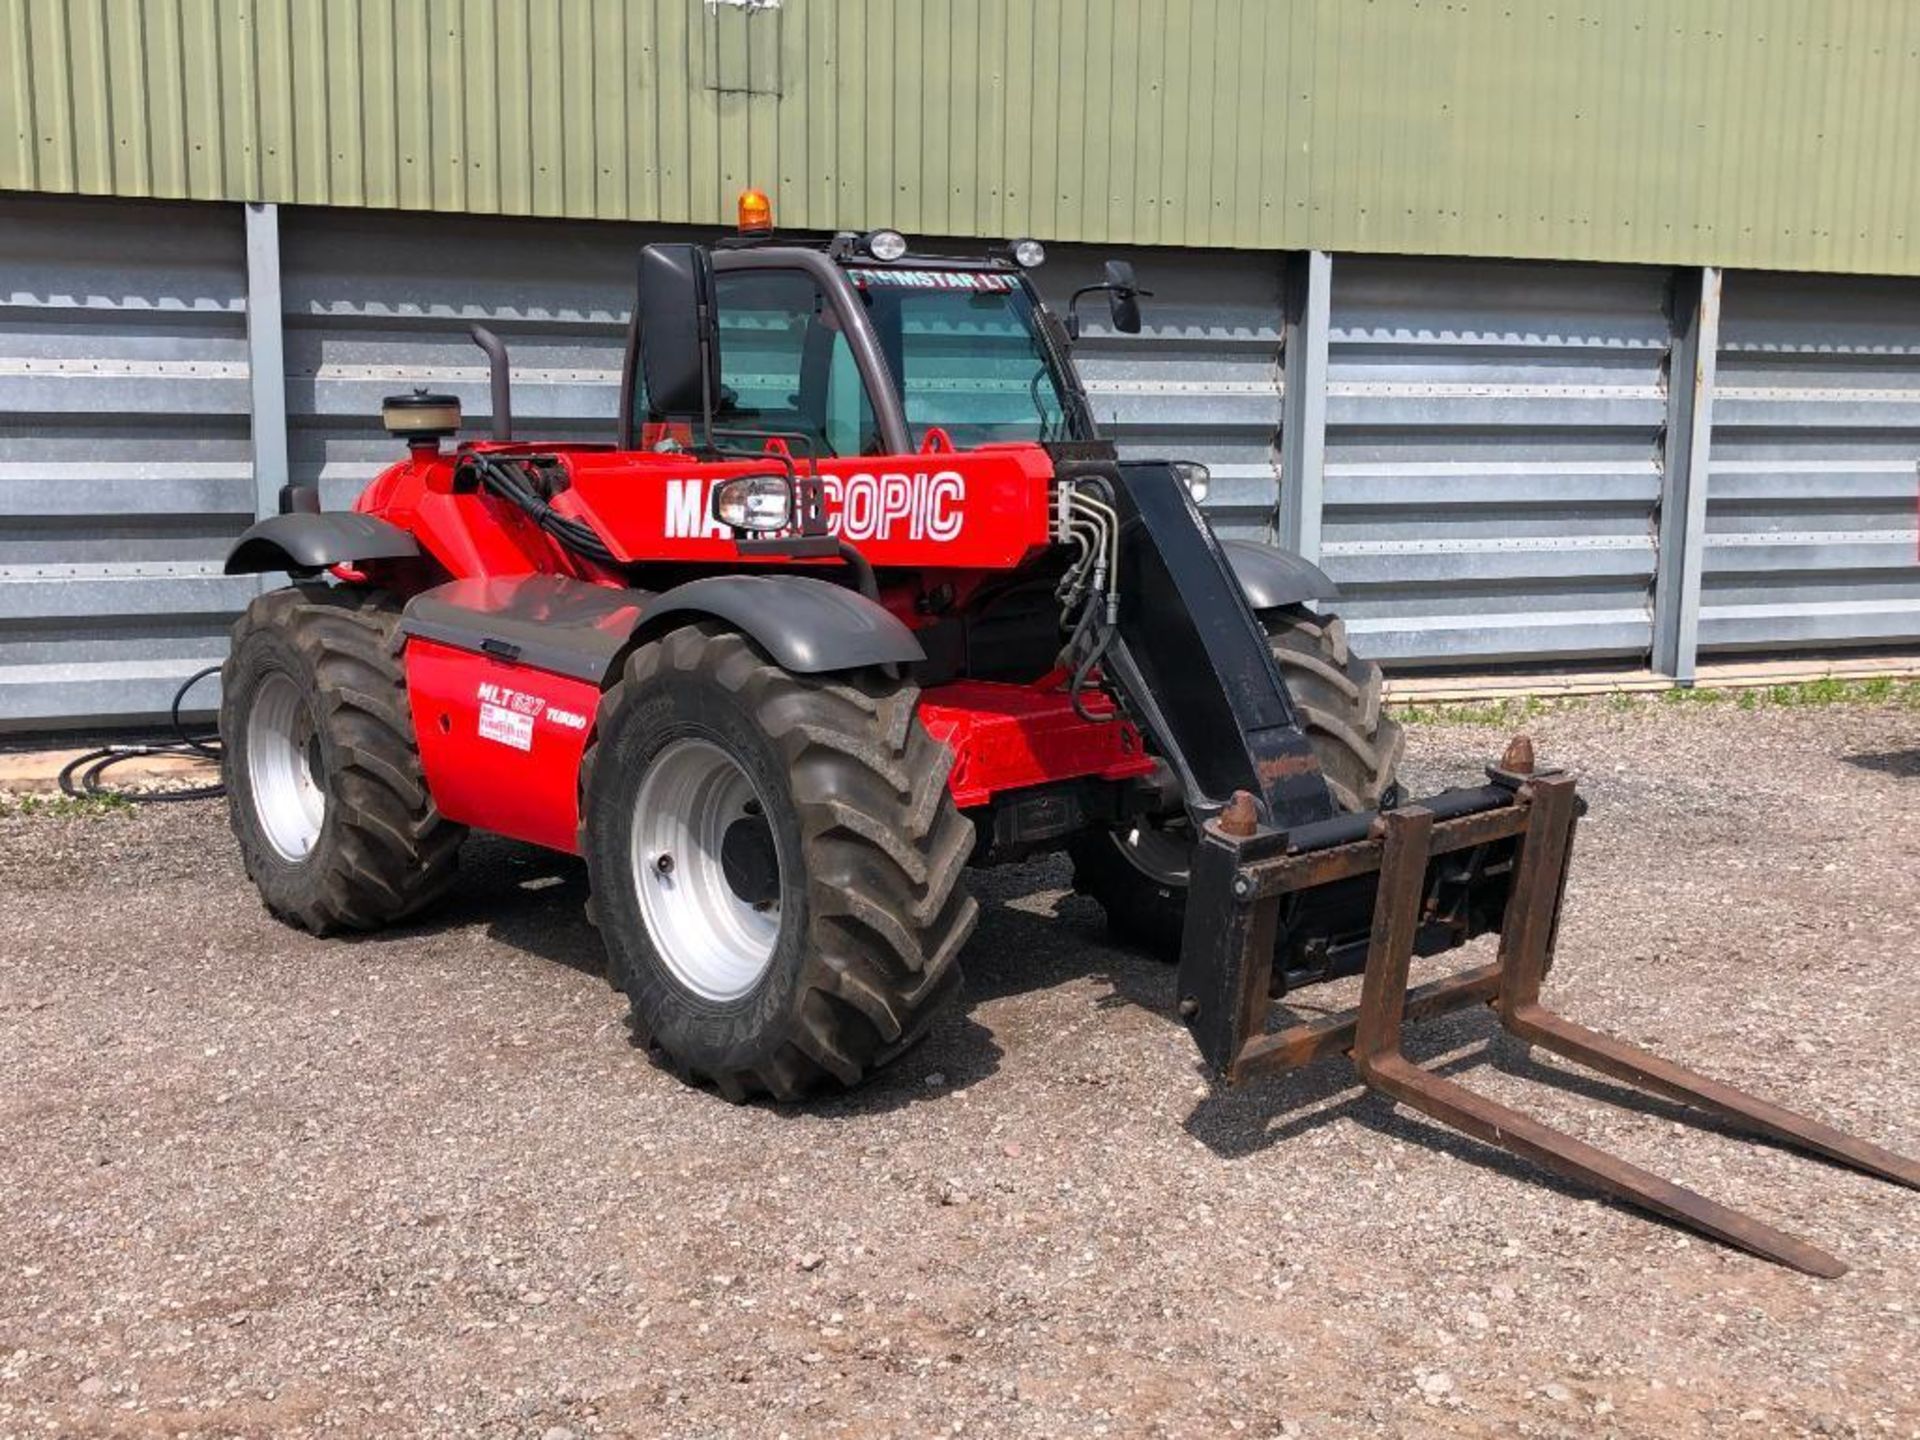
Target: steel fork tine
{"points": [[1378, 1056], [1554, 1150], [1647, 1071], [1525, 945]]}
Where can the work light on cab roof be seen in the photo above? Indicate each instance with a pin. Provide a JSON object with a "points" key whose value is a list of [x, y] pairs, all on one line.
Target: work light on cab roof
{"points": [[885, 245]]}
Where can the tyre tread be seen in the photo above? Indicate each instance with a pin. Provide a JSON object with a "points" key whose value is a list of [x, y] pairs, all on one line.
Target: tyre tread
{"points": [[886, 848], [393, 854], [1338, 700]]}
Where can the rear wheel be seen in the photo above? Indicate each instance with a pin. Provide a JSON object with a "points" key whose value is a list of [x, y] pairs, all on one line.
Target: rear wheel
{"points": [[324, 789], [1139, 875], [775, 864]]}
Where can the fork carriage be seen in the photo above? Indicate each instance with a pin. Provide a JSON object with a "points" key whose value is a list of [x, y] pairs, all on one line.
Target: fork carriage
{"points": [[1521, 826]]}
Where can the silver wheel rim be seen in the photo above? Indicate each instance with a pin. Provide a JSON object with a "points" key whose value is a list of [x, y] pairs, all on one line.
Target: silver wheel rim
{"points": [[717, 941], [1162, 853], [283, 768]]}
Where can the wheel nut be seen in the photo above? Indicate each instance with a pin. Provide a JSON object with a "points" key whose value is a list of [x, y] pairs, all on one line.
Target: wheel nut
{"points": [[663, 864]]}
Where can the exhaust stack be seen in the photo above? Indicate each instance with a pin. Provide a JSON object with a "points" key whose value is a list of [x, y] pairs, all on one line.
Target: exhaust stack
{"points": [[501, 380]]}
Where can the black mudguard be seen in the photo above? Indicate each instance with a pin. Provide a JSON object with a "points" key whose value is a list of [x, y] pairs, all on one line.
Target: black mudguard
{"points": [[305, 543], [807, 626], [551, 622], [1271, 577], [573, 627]]}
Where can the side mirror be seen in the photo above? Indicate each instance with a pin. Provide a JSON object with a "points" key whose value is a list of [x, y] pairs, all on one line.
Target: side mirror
{"points": [[679, 346], [1123, 300], [1123, 297]]}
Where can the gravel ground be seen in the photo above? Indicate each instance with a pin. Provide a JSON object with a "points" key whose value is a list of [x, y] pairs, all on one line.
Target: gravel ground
{"points": [[422, 1183]]}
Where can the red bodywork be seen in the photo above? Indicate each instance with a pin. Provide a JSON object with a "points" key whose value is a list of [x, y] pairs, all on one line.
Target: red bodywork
{"points": [[501, 741], [1009, 737]]}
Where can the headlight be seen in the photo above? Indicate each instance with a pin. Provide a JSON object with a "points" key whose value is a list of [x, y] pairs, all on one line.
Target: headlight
{"points": [[1029, 254], [886, 244], [754, 502], [1196, 477]]}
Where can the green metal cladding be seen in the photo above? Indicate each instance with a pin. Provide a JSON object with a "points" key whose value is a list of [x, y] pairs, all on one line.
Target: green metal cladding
{"points": [[1779, 134]]}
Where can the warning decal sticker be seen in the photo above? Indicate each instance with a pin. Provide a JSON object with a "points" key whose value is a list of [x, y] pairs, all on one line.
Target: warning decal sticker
{"points": [[500, 724]]}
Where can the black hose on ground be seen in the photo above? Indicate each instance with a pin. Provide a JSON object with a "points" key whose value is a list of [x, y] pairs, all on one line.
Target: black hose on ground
{"points": [[80, 778]]}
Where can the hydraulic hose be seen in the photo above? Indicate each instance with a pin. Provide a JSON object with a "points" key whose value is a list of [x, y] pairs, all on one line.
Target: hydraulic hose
{"points": [[507, 481], [80, 777]]}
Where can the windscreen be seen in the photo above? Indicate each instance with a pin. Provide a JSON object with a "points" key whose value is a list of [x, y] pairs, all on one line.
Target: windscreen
{"points": [[964, 353]]}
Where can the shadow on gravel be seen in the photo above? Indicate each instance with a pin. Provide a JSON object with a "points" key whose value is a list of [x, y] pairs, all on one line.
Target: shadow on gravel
{"points": [[1237, 1124], [1033, 934], [1014, 950], [534, 900], [1902, 764], [1017, 948], [527, 897]]}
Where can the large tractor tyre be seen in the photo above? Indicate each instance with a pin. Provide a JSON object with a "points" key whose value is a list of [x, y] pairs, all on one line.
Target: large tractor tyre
{"points": [[324, 788], [1140, 876], [775, 864]]}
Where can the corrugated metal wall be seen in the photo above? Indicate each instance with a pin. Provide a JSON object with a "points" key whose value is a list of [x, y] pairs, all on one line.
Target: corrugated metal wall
{"points": [[1493, 441], [377, 304], [1811, 536], [1201, 381], [1493, 436], [1767, 133], [125, 465]]}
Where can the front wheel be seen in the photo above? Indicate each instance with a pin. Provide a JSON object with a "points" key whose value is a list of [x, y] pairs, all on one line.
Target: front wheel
{"points": [[775, 864], [1139, 874]]}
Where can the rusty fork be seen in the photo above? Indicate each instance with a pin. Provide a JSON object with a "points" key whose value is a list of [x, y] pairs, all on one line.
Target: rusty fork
{"points": [[1543, 816]]}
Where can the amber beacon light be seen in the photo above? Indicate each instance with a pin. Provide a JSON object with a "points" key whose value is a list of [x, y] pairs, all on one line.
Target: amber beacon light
{"points": [[756, 213]]}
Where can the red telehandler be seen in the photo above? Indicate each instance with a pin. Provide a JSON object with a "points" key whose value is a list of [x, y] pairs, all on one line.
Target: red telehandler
{"points": [[857, 598]]}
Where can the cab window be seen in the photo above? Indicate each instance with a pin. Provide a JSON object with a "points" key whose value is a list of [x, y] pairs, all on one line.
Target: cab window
{"points": [[785, 366], [965, 354]]}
